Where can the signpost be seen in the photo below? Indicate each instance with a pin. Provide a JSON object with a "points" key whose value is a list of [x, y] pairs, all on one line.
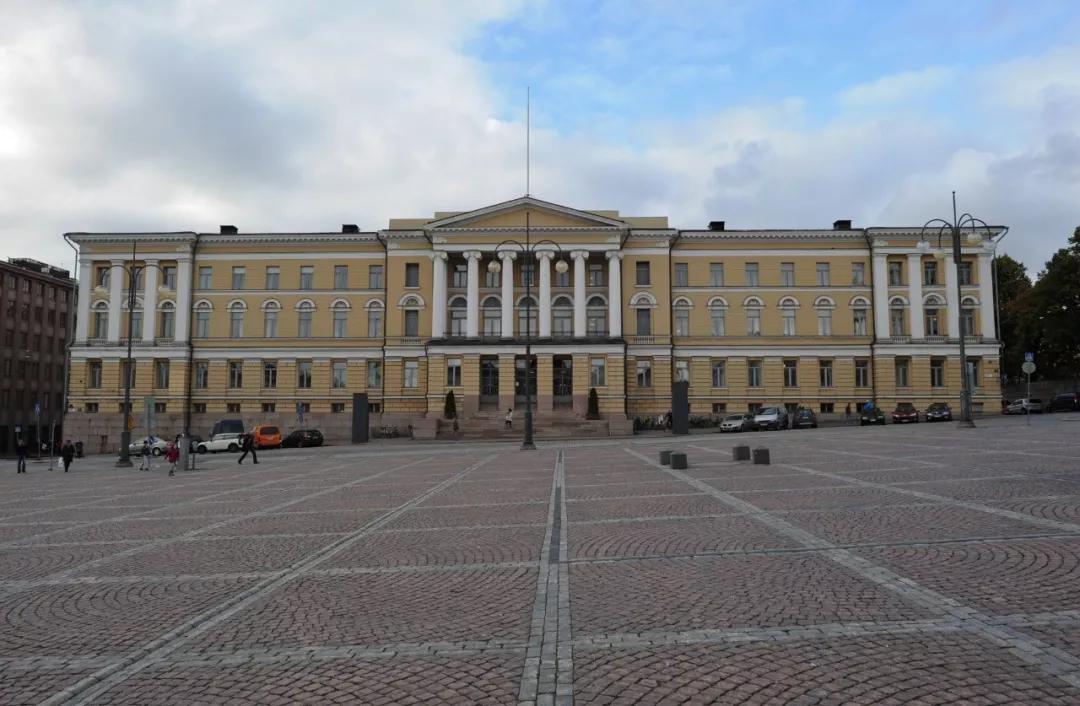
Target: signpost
{"points": [[1028, 367], [37, 425]]}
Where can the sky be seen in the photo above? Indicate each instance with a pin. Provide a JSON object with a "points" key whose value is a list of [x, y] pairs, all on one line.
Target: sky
{"points": [[278, 115]]}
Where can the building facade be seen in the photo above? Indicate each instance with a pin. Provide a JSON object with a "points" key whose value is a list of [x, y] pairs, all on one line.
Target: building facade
{"points": [[263, 325], [36, 301]]}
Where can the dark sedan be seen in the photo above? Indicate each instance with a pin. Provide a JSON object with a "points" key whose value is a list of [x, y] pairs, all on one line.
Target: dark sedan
{"points": [[804, 417], [905, 413], [303, 437], [874, 415], [938, 412]]}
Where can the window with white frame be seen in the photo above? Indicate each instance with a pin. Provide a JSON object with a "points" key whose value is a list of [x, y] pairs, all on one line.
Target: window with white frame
{"points": [[305, 312], [169, 277], [167, 317], [716, 274], [236, 374], [375, 320], [236, 320], [967, 318], [896, 274], [787, 319], [753, 321], [341, 276], [753, 373], [307, 277], [932, 316], [597, 372], [412, 377], [93, 374], [341, 318], [825, 373], [930, 278], [682, 274], [101, 320], [273, 277], [136, 324], [937, 372], [824, 279], [751, 270], [374, 374], [596, 274], [459, 275], [791, 373], [682, 320], [897, 325], [527, 317], [858, 274], [453, 372], [682, 371], [903, 377], [269, 374], [374, 275], [161, 374], [719, 373], [202, 375], [338, 375], [202, 320], [787, 274], [718, 318], [270, 319], [643, 320], [862, 373], [239, 276], [458, 316], [644, 372], [492, 316], [596, 316], [858, 316], [205, 276], [303, 374]]}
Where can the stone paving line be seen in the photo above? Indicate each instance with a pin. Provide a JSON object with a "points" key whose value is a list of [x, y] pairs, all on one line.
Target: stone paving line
{"points": [[89, 688], [1051, 660]]}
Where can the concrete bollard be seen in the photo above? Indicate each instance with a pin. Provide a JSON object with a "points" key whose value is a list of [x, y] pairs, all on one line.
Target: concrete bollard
{"points": [[761, 457], [741, 453], [665, 458], [678, 461]]}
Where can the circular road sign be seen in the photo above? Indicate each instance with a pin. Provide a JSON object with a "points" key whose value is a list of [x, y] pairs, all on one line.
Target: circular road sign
{"points": [[1028, 367]]}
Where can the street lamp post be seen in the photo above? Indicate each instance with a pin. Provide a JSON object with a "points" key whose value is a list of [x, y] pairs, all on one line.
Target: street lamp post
{"points": [[528, 251], [954, 230]]}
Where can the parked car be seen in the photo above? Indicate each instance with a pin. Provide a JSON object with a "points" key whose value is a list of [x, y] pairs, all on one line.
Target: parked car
{"points": [[266, 436], [905, 413], [938, 412], [771, 418], [303, 437], [157, 446], [737, 422], [227, 426], [220, 442], [1025, 406], [874, 415], [804, 417], [1065, 402]]}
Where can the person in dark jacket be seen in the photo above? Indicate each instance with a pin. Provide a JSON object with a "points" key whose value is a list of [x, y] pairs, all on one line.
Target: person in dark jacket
{"points": [[248, 445], [67, 454], [20, 453]]}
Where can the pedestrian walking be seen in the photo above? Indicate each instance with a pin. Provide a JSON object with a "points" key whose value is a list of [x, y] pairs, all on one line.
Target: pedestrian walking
{"points": [[20, 455], [847, 411], [509, 418], [144, 465], [172, 455], [67, 454], [248, 445]]}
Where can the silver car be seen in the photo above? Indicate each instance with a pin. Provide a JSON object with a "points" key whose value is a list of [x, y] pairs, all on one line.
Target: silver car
{"points": [[157, 446], [771, 418], [737, 422], [1025, 406]]}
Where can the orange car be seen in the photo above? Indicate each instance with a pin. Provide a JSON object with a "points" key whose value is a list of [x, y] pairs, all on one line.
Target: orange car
{"points": [[267, 436]]}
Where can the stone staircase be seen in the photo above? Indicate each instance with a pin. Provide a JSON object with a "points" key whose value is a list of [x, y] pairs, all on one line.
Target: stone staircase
{"points": [[491, 426]]}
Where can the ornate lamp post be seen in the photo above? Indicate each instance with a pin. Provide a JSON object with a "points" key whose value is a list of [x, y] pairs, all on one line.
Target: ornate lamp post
{"points": [[528, 251], [953, 230]]}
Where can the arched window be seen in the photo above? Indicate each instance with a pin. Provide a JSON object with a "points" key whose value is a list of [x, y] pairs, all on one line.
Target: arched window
{"points": [[932, 315], [459, 309], [562, 317], [167, 320], [788, 307], [526, 323], [135, 318], [305, 314], [681, 313], [753, 307], [101, 320], [411, 305], [491, 310], [236, 311], [270, 308], [340, 312], [643, 304], [375, 318], [202, 318], [718, 316], [859, 308], [596, 316], [968, 305], [824, 306], [897, 317]]}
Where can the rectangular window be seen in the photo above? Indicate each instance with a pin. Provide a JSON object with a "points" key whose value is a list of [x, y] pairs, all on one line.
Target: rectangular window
{"points": [[859, 318], [787, 274], [93, 374], [236, 374], [337, 407], [753, 373], [682, 274], [862, 373], [644, 322], [303, 323], [896, 321], [528, 274], [491, 279], [719, 374], [824, 322], [101, 277], [787, 317], [858, 274], [644, 373], [236, 324], [202, 324], [973, 373], [198, 408], [929, 269], [270, 324], [453, 372], [937, 372], [341, 276], [307, 277], [598, 372], [828, 407], [896, 274], [168, 324], [101, 324], [305, 407], [824, 278], [161, 374], [682, 322], [964, 273], [682, 371], [719, 407], [753, 322], [412, 322], [716, 274], [825, 376], [340, 318], [136, 325], [273, 277], [233, 408], [791, 373], [205, 274], [374, 323], [412, 378], [303, 374], [269, 377], [160, 407], [641, 273], [338, 379], [202, 375], [91, 407], [967, 321], [719, 325], [932, 320], [374, 276], [169, 277], [459, 277], [596, 275], [374, 374], [269, 407], [239, 274], [902, 377], [412, 274], [751, 274]]}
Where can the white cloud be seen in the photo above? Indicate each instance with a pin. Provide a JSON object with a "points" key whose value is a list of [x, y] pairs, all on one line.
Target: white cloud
{"points": [[898, 88]]}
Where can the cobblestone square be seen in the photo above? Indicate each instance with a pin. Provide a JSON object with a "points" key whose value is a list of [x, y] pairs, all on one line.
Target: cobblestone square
{"points": [[919, 564]]}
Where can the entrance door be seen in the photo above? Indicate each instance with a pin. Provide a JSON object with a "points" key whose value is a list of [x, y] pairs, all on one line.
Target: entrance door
{"points": [[489, 382], [524, 374], [563, 381]]}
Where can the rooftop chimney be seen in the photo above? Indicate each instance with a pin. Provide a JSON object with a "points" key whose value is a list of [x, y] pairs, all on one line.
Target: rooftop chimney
{"points": [[228, 230], [349, 228], [716, 225], [841, 225]]}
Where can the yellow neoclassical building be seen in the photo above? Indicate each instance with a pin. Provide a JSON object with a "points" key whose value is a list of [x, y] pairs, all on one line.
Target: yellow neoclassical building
{"points": [[261, 325]]}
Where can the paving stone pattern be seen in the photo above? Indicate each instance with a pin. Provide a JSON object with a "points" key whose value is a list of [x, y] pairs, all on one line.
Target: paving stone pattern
{"points": [[922, 564]]}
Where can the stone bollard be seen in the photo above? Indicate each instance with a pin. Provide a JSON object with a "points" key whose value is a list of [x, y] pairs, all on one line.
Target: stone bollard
{"points": [[741, 453], [678, 461], [665, 458], [761, 457]]}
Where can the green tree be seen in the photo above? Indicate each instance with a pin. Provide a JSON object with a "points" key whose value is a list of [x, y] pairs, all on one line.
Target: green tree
{"points": [[594, 405], [1013, 293], [450, 406], [1055, 313]]}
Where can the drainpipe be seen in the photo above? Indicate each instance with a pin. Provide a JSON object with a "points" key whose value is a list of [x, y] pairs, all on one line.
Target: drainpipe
{"points": [[185, 448], [873, 316]]}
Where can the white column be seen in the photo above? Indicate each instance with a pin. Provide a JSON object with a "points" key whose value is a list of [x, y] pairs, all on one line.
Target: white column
{"points": [[579, 292], [614, 288], [986, 295], [438, 295], [544, 258], [508, 258], [82, 321], [952, 303], [149, 322], [183, 297], [881, 296], [117, 275], [472, 328], [914, 265]]}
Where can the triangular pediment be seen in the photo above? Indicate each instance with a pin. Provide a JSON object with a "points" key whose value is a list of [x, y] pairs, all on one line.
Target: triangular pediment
{"points": [[511, 214]]}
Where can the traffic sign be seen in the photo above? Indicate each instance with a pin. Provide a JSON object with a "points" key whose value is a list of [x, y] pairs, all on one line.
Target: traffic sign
{"points": [[37, 409], [1029, 357], [1028, 367]]}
